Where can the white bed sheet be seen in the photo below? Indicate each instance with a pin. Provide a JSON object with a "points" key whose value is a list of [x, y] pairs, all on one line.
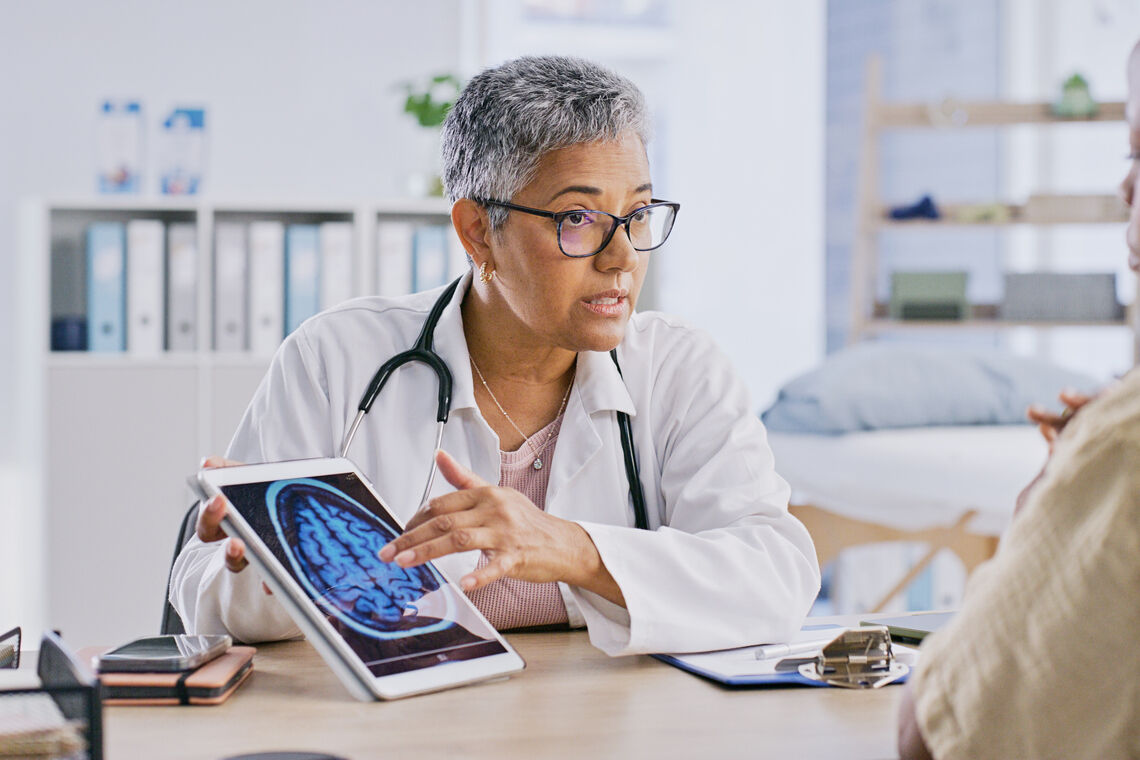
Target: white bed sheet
{"points": [[914, 478]]}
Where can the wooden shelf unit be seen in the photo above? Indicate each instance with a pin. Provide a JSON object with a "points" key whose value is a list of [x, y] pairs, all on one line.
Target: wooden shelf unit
{"points": [[867, 316]]}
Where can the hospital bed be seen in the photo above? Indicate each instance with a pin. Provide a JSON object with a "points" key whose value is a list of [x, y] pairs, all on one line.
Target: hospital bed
{"points": [[947, 487]]}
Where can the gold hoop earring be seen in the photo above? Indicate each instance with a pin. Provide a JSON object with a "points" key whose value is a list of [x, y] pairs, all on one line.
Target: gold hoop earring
{"points": [[484, 275]]}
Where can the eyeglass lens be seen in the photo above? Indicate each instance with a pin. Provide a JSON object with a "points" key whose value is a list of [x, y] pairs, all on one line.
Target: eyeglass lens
{"points": [[584, 233]]}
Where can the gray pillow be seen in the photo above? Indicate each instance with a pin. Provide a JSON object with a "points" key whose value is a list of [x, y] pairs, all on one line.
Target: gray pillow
{"points": [[876, 385]]}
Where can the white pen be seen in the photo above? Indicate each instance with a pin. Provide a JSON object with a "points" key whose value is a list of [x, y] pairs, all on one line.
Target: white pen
{"points": [[771, 651]]}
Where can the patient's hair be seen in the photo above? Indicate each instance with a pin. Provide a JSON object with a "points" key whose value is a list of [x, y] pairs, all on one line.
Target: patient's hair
{"points": [[508, 117]]}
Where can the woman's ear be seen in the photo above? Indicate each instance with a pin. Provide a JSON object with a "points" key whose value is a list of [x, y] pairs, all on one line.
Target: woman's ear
{"points": [[474, 230]]}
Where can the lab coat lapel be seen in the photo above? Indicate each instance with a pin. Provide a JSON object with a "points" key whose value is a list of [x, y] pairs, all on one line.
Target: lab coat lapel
{"points": [[598, 389]]}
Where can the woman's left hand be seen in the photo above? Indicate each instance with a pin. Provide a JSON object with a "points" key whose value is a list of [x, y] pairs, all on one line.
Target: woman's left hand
{"points": [[520, 540]]}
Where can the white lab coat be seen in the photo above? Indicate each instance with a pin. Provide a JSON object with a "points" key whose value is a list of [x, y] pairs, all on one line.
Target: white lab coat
{"points": [[724, 564]]}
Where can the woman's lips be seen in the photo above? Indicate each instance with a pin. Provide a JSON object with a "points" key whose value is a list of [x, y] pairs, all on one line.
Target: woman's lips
{"points": [[606, 304]]}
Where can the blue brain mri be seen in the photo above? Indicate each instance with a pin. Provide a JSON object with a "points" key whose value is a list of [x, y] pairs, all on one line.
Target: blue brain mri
{"points": [[332, 542]]}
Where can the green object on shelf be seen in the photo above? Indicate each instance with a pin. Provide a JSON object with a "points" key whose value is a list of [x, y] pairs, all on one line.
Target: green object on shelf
{"points": [[1076, 101], [929, 295], [431, 102]]}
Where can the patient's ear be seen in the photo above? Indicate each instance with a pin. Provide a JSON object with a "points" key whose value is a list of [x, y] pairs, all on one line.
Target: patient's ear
{"points": [[474, 230]]}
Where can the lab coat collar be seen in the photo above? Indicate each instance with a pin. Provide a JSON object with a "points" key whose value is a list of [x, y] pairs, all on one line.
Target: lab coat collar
{"points": [[601, 384], [598, 381]]}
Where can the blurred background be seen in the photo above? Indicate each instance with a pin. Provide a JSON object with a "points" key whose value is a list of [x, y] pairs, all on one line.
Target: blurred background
{"points": [[212, 117]]}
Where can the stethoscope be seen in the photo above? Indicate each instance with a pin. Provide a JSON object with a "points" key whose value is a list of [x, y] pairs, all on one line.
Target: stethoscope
{"points": [[423, 351]]}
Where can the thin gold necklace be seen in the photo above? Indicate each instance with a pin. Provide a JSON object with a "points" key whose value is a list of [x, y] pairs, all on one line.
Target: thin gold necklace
{"points": [[536, 453]]}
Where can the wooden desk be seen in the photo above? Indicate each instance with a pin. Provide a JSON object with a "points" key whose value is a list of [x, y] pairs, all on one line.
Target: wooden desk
{"points": [[571, 701]]}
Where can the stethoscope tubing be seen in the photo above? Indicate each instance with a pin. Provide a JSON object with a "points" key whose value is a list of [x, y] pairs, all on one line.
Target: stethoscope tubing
{"points": [[423, 351]]}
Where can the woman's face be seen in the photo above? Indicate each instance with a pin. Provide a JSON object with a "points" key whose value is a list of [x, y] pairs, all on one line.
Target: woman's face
{"points": [[574, 304]]}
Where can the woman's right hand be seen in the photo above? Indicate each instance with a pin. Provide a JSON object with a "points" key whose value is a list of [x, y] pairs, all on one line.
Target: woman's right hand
{"points": [[209, 525]]}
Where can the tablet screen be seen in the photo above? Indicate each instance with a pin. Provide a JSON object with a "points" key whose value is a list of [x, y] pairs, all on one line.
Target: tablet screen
{"points": [[327, 531]]}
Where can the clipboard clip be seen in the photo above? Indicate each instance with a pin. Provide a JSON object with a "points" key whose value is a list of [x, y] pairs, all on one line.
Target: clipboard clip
{"points": [[858, 658]]}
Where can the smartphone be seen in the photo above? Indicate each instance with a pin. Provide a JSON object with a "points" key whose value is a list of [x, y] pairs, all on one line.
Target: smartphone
{"points": [[164, 654]]}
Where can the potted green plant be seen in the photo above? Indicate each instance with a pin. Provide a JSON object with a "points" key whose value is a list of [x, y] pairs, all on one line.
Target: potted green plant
{"points": [[428, 103]]}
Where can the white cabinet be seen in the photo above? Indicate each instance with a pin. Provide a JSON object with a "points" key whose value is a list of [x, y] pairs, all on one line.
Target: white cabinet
{"points": [[111, 437]]}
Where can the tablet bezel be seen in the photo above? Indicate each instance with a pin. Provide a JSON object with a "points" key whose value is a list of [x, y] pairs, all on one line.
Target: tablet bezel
{"points": [[326, 640]]}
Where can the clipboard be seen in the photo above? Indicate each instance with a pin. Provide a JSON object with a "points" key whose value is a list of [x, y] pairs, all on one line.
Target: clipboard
{"points": [[860, 658]]}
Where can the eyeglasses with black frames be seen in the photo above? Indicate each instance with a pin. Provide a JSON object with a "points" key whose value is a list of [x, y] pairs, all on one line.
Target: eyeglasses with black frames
{"points": [[583, 233]]}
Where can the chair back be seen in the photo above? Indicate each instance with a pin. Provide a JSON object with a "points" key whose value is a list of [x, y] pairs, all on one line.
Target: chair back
{"points": [[171, 622]]}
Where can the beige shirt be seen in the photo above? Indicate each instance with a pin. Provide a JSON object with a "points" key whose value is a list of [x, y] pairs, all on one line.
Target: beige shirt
{"points": [[1044, 659]]}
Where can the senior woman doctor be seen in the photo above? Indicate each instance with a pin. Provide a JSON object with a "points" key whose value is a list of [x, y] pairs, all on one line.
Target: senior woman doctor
{"points": [[545, 162]]}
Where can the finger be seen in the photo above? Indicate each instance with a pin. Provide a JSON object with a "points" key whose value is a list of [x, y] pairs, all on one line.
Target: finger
{"points": [[1048, 432], [209, 526], [489, 573], [214, 461], [235, 555], [1039, 414], [460, 540], [266, 589], [434, 528], [1074, 400], [455, 473], [456, 501]]}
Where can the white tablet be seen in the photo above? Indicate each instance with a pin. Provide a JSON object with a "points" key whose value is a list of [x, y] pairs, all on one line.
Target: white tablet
{"points": [[314, 528]]}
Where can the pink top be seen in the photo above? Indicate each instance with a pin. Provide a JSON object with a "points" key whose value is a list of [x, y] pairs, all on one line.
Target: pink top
{"points": [[509, 603]]}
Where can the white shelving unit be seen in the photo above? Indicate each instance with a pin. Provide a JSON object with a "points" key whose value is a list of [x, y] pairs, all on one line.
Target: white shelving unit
{"points": [[111, 437], [869, 316]]}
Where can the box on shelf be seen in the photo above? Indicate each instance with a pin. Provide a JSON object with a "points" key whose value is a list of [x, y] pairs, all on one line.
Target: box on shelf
{"points": [[1056, 296], [1041, 208], [929, 295]]}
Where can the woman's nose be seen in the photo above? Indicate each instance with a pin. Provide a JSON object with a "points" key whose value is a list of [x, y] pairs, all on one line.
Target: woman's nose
{"points": [[619, 253]]}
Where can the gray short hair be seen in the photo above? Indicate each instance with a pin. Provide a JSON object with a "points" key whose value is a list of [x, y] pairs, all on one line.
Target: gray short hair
{"points": [[509, 116]]}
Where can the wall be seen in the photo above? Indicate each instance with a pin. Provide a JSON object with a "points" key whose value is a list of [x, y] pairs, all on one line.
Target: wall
{"points": [[747, 162], [302, 104], [735, 88], [301, 97]]}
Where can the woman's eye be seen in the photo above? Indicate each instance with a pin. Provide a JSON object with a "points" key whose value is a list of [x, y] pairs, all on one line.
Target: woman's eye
{"points": [[578, 218]]}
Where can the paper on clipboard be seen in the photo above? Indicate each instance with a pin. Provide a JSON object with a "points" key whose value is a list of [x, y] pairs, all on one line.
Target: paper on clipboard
{"points": [[740, 667]]}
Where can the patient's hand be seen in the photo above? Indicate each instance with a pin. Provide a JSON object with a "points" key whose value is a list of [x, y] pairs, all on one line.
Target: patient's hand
{"points": [[1051, 424]]}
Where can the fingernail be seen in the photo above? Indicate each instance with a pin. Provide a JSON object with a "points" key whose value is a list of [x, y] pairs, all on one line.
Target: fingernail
{"points": [[387, 552], [467, 583], [231, 550], [405, 557]]}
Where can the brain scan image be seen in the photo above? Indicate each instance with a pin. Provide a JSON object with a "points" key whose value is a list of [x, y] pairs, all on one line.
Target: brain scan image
{"points": [[332, 543]]}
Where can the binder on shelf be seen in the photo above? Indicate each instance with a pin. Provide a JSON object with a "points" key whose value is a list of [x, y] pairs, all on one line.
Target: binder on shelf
{"points": [[302, 274], [336, 263], [429, 257], [146, 279], [68, 295], [230, 286], [182, 287], [106, 288], [266, 286], [394, 257]]}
